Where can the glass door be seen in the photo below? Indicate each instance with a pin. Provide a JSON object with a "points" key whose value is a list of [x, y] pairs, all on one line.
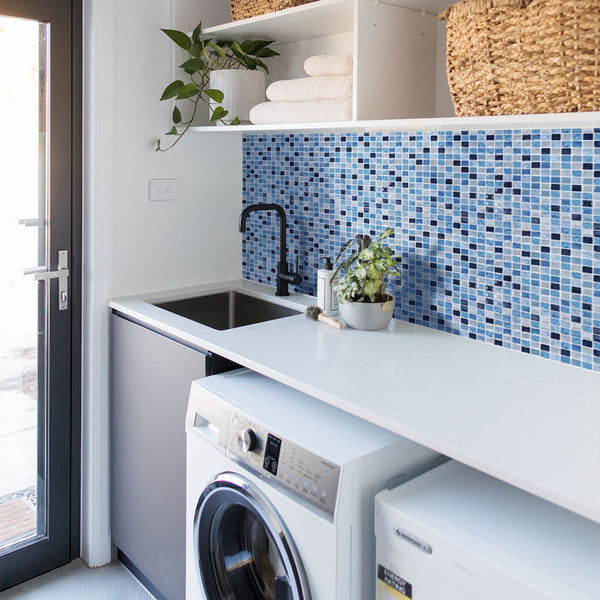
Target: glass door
{"points": [[36, 345]]}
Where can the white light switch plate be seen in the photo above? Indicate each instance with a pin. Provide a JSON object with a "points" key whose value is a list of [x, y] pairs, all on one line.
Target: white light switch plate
{"points": [[164, 189]]}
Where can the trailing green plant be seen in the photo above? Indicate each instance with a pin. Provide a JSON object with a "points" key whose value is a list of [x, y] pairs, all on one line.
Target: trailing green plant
{"points": [[206, 55], [366, 269]]}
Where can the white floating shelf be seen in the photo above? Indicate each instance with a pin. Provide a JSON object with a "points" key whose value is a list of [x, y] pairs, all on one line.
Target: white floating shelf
{"points": [[312, 20], [315, 28], [325, 17], [554, 120]]}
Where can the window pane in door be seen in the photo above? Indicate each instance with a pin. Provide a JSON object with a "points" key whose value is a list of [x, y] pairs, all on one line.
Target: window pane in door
{"points": [[23, 224]]}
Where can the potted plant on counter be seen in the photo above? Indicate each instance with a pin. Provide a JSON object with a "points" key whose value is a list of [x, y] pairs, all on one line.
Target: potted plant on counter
{"points": [[229, 76], [364, 302]]}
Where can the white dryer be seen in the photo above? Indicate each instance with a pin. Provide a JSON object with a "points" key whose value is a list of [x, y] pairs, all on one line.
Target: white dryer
{"points": [[458, 534], [280, 492]]}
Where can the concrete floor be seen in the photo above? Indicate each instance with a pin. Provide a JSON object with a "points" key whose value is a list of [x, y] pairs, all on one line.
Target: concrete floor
{"points": [[76, 581]]}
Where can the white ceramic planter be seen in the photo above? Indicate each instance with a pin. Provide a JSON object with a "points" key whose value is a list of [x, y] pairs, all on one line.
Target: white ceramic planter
{"points": [[242, 89], [368, 316]]}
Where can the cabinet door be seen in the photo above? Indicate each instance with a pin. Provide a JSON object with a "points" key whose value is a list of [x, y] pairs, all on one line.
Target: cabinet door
{"points": [[151, 377]]}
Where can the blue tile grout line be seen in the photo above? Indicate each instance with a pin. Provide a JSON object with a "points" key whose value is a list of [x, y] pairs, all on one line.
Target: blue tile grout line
{"points": [[499, 231]]}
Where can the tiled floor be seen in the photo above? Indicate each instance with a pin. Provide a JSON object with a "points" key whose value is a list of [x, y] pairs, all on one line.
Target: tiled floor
{"points": [[76, 581]]}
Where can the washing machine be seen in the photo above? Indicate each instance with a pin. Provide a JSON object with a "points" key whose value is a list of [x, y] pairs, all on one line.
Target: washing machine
{"points": [[455, 533], [280, 492]]}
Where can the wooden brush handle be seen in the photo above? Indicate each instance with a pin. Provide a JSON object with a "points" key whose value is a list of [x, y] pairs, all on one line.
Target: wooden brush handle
{"points": [[331, 322]]}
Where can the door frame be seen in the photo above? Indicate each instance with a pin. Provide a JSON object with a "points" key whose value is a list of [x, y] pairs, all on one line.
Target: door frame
{"points": [[76, 268], [98, 192]]}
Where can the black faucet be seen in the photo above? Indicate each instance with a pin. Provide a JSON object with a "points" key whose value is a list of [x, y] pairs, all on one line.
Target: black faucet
{"points": [[284, 276]]}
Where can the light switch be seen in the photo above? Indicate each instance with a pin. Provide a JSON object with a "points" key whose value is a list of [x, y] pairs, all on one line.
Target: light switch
{"points": [[164, 189]]}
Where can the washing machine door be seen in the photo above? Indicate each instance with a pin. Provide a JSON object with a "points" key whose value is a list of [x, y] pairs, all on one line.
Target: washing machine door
{"points": [[242, 548]]}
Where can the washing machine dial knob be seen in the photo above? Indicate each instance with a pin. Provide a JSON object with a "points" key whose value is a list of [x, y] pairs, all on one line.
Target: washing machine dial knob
{"points": [[247, 440]]}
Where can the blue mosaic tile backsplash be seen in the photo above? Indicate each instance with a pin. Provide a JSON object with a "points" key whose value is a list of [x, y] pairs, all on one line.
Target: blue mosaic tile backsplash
{"points": [[499, 231]]}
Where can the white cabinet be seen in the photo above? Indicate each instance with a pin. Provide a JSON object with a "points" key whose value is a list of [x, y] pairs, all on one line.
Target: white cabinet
{"points": [[151, 377], [399, 73]]}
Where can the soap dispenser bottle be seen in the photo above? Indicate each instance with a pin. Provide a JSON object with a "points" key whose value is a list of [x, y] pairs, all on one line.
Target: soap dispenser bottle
{"points": [[326, 295]]}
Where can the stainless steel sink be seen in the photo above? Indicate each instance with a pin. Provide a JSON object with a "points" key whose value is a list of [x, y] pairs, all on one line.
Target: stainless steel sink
{"points": [[226, 310]]}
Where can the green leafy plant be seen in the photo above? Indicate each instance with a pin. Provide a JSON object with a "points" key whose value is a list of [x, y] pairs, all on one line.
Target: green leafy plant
{"points": [[365, 269], [206, 55]]}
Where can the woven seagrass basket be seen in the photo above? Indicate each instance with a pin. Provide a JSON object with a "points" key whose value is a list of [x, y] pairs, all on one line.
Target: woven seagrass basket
{"points": [[523, 56], [244, 9]]}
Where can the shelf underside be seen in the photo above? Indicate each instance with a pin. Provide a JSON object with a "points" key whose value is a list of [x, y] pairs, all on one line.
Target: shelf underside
{"points": [[562, 120]]}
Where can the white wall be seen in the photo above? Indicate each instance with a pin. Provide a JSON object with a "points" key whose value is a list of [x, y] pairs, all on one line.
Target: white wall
{"points": [[210, 12], [130, 244], [159, 245]]}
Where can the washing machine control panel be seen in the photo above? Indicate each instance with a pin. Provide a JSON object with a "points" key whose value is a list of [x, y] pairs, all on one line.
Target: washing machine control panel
{"points": [[306, 474]]}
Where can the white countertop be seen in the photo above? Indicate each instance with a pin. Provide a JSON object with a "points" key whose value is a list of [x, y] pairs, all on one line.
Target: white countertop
{"points": [[529, 421]]}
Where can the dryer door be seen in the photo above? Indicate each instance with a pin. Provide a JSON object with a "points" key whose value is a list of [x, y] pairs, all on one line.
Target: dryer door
{"points": [[243, 550]]}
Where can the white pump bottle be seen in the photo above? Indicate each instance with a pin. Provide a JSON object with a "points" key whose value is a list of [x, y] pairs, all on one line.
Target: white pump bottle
{"points": [[326, 295]]}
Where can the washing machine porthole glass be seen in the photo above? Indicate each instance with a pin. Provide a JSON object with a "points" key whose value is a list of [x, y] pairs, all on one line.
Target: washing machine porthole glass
{"points": [[246, 560], [243, 552]]}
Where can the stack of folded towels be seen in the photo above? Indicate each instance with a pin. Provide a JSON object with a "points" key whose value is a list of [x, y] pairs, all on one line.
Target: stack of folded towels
{"points": [[325, 95]]}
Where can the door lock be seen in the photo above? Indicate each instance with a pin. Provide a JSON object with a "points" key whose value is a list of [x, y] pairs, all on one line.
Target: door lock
{"points": [[62, 274]]}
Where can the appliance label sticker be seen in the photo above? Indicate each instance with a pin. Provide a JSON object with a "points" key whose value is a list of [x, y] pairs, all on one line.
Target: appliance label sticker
{"points": [[390, 585]]}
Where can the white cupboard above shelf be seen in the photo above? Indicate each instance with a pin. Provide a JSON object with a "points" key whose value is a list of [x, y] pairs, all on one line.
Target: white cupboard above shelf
{"points": [[399, 76]]}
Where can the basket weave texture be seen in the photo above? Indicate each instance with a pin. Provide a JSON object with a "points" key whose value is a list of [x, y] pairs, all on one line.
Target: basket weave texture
{"points": [[523, 56], [244, 9]]}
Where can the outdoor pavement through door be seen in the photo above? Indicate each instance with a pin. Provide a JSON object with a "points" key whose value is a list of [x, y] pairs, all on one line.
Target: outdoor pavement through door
{"points": [[18, 444]]}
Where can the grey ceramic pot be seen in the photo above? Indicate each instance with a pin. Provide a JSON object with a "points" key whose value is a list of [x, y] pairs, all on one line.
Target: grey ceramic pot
{"points": [[368, 316]]}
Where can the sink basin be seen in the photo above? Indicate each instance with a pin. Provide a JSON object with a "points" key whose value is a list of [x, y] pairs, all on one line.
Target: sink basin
{"points": [[226, 310]]}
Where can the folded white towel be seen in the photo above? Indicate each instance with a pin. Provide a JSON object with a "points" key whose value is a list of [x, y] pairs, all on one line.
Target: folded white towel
{"points": [[329, 87], [316, 111], [328, 64]]}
